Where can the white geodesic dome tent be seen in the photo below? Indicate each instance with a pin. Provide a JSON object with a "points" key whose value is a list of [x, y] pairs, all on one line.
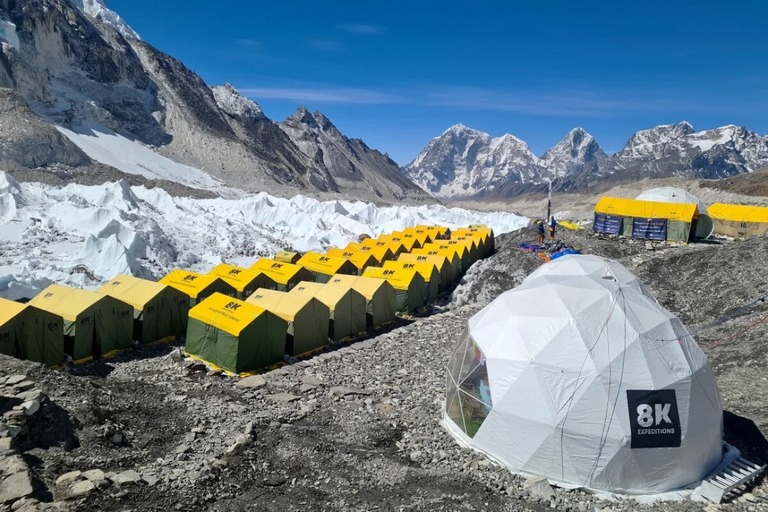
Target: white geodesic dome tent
{"points": [[704, 225], [590, 265], [586, 382]]}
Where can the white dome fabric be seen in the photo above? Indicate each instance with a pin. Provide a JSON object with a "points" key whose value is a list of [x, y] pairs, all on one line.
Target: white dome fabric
{"points": [[704, 226], [590, 265], [589, 383]]}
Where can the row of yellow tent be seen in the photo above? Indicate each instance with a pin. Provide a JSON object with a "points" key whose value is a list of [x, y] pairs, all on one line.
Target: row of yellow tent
{"points": [[400, 271]]}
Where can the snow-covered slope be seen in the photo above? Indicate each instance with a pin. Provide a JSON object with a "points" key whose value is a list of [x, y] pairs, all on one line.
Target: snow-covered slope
{"points": [[572, 154], [464, 162], [98, 10], [83, 235]]}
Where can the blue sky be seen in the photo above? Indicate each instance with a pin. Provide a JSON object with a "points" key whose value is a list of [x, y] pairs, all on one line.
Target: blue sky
{"points": [[398, 73]]}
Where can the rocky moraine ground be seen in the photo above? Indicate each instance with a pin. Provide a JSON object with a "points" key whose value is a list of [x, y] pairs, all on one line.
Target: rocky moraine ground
{"points": [[357, 428]]}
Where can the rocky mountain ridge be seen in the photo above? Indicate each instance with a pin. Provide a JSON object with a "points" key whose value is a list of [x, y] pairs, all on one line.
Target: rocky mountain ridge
{"points": [[455, 164], [77, 67]]}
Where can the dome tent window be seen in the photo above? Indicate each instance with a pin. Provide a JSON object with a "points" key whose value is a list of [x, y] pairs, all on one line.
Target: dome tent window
{"points": [[468, 392]]}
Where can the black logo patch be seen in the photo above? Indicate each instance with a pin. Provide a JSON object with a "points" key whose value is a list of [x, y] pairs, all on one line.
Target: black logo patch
{"points": [[654, 418]]}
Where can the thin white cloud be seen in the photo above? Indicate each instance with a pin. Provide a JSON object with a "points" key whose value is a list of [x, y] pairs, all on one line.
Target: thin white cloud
{"points": [[325, 94], [253, 43], [326, 45], [361, 29]]}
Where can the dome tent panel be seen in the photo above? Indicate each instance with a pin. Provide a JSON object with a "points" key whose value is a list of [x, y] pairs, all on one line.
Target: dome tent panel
{"points": [[592, 418]]}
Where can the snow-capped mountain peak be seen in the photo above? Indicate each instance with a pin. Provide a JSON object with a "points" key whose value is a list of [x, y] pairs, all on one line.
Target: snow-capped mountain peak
{"points": [[232, 102], [98, 10], [576, 151]]}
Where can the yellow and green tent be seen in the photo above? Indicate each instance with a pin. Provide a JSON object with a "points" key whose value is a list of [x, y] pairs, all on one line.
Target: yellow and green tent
{"points": [[234, 335], [419, 234], [307, 318], [738, 220], [649, 220], [380, 303], [395, 243], [30, 333], [460, 249], [444, 269], [409, 240], [159, 310], [381, 253], [197, 286], [360, 259], [408, 284], [324, 266], [347, 307], [383, 242], [450, 254], [286, 275], [287, 256], [95, 325], [244, 280], [428, 272], [472, 245]]}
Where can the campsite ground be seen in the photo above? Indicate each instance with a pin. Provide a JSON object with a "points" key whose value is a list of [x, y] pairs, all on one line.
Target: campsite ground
{"points": [[358, 428]]}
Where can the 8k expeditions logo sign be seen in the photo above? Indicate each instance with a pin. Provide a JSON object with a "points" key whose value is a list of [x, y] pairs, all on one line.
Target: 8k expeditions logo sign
{"points": [[654, 418]]}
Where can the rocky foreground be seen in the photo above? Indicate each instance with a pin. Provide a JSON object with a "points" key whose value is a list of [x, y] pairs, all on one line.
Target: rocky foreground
{"points": [[358, 427]]}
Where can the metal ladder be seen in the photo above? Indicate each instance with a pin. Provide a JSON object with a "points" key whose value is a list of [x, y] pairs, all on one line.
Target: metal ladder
{"points": [[729, 479]]}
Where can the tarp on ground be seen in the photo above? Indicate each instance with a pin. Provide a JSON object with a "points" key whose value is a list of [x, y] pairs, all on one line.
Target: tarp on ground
{"points": [[159, 310], [244, 280], [94, 324], [381, 254], [324, 266], [286, 275], [235, 335], [287, 256], [347, 306], [678, 218], [440, 261], [30, 333], [739, 220], [307, 318], [408, 284], [197, 286], [428, 271], [360, 259], [449, 254], [380, 302]]}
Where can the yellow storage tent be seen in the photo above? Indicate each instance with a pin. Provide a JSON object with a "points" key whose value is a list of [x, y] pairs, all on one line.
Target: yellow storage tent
{"points": [[233, 335], [324, 266], [307, 318], [244, 280], [435, 232], [408, 284], [395, 243], [451, 255], [409, 240], [30, 333], [159, 310], [419, 234], [95, 325], [383, 242], [645, 219], [380, 303], [474, 248], [428, 272], [286, 275], [287, 256], [482, 236], [738, 220], [346, 305], [381, 254], [459, 248], [197, 286], [442, 264], [361, 260]]}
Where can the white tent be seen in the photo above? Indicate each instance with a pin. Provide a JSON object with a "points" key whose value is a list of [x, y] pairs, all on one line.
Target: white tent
{"points": [[590, 265], [704, 224], [587, 383]]}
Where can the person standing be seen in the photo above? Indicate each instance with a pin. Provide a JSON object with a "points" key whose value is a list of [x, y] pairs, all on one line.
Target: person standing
{"points": [[540, 229], [552, 225]]}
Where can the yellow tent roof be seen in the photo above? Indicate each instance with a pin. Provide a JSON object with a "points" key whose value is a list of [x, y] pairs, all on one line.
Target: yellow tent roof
{"points": [[624, 207], [425, 268], [283, 304], [308, 287], [324, 264], [419, 233], [382, 242], [482, 234], [286, 256], [378, 252], [395, 243], [226, 313], [439, 260], [329, 293], [400, 278], [434, 250], [472, 242], [280, 271], [133, 290], [460, 248], [365, 286], [434, 230], [238, 277], [188, 282], [9, 309], [360, 259], [738, 212], [65, 301]]}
